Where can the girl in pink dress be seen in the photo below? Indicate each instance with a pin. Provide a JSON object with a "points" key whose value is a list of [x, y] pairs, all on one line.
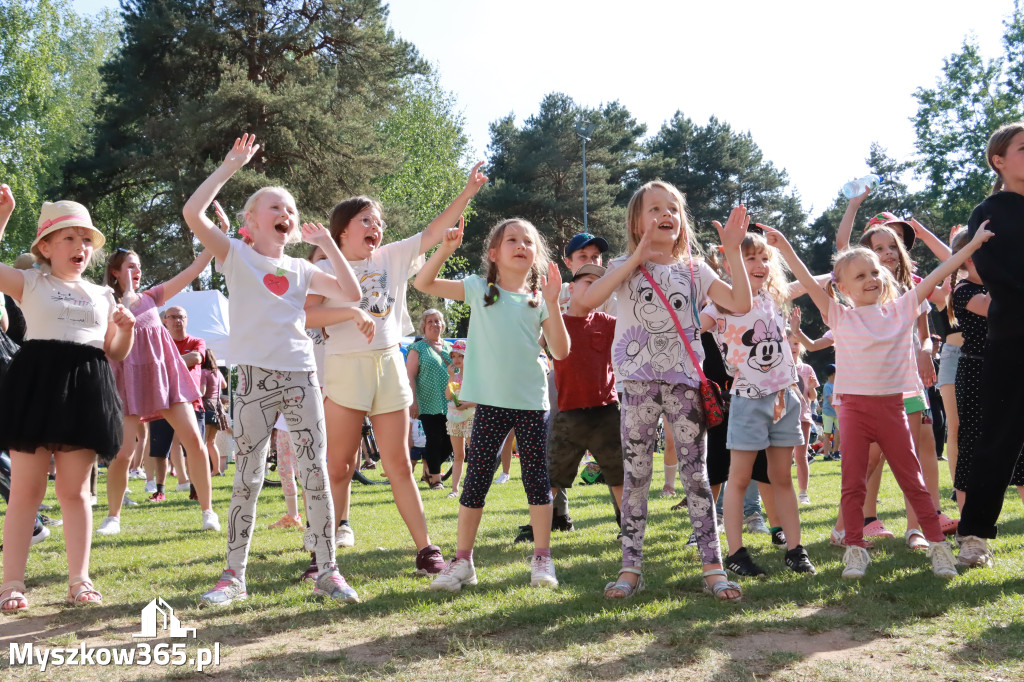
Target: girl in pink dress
{"points": [[154, 383]]}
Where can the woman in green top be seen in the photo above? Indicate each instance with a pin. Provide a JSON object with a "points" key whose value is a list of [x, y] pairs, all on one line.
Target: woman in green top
{"points": [[427, 365]]}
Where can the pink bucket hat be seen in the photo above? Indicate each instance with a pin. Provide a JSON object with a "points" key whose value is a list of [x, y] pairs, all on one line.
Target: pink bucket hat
{"points": [[459, 347], [60, 214]]}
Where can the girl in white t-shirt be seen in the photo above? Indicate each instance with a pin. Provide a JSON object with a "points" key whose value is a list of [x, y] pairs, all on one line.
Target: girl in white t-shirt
{"points": [[276, 371], [506, 378], [369, 378], [765, 407], [658, 374], [59, 396], [874, 368]]}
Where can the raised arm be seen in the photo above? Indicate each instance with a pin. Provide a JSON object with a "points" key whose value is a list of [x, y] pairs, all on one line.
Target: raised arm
{"points": [[427, 281], [12, 281], [947, 268], [735, 298], [342, 285], [799, 270], [554, 326], [934, 244], [846, 224], [194, 210], [451, 215], [118, 340], [601, 289], [797, 289]]}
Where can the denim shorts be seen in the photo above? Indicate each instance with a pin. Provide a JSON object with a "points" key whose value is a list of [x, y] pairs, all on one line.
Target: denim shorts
{"points": [[751, 426], [949, 358]]}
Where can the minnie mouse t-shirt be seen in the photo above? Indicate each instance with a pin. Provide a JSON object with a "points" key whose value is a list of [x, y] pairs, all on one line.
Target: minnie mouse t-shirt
{"points": [[754, 348]]}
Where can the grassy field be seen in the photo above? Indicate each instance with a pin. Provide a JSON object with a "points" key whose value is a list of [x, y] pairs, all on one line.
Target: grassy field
{"points": [[899, 623]]}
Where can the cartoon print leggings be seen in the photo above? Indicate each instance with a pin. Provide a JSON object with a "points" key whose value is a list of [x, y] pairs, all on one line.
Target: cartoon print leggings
{"points": [[285, 462], [490, 427], [262, 395], [643, 403]]}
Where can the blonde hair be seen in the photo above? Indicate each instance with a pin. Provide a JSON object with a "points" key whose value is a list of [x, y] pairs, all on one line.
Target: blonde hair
{"points": [[890, 290], [295, 235], [775, 282], [98, 254], [904, 267], [685, 243], [998, 143], [540, 263], [791, 336]]}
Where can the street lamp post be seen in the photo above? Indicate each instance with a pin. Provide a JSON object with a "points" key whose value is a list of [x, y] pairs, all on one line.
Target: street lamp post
{"points": [[583, 129]]}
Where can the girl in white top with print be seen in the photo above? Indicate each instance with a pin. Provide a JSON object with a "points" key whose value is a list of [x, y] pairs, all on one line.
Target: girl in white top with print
{"points": [[369, 378], [277, 372], [59, 396]]}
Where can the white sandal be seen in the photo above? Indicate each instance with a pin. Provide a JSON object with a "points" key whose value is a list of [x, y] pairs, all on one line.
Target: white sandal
{"points": [[77, 597], [627, 588], [718, 587], [15, 591]]}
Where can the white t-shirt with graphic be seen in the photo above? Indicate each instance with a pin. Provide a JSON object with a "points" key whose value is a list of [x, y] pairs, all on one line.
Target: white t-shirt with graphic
{"points": [[647, 345], [266, 307], [60, 310], [384, 280], [754, 347]]}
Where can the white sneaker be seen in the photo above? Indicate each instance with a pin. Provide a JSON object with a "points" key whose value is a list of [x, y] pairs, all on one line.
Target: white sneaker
{"points": [[182, 487], [856, 560], [456, 573], [755, 524], [803, 497], [129, 502], [150, 486], [110, 526], [344, 536], [210, 520], [503, 478], [93, 500], [943, 564], [137, 475], [974, 552], [542, 572], [39, 534]]}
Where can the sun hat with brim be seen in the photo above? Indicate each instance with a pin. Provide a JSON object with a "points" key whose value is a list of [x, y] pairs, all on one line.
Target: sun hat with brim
{"points": [[60, 214], [588, 269], [902, 227], [459, 346]]}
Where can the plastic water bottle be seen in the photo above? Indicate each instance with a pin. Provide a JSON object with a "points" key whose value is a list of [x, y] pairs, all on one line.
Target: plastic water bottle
{"points": [[856, 187]]}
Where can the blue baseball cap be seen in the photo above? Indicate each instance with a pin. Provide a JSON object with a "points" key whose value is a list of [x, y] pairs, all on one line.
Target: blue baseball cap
{"points": [[584, 239]]}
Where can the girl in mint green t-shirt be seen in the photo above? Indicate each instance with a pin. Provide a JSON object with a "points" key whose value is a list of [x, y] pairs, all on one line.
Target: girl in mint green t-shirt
{"points": [[510, 310]]}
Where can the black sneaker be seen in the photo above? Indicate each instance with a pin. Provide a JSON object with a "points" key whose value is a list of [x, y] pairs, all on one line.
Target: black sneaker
{"points": [[798, 560], [691, 541], [525, 534], [560, 522], [47, 521], [740, 563], [778, 537]]}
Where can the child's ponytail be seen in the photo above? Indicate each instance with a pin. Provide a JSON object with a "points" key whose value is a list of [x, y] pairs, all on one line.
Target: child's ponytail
{"points": [[492, 293], [960, 240]]}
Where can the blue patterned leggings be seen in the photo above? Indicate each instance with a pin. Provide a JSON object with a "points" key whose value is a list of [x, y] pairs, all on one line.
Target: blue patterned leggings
{"points": [[491, 425], [643, 402]]}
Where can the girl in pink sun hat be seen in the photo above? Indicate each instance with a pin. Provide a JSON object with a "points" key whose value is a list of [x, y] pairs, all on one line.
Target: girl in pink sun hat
{"points": [[59, 395]]}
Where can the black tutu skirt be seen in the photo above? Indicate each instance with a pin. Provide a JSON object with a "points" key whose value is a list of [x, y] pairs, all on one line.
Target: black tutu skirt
{"points": [[60, 395]]}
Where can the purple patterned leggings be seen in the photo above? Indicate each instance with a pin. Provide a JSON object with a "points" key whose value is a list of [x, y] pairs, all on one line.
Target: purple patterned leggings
{"points": [[643, 402]]}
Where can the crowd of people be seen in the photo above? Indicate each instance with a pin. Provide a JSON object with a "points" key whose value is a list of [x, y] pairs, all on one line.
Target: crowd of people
{"points": [[698, 344]]}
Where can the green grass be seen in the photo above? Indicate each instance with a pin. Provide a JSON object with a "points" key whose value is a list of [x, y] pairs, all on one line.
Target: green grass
{"points": [[898, 623]]}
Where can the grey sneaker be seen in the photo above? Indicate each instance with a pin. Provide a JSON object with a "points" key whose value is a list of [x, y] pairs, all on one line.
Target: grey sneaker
{"points": [[332, 585], [943, 563], [344, 536], [856, 560], [974, 552], [228, 589], [542, 572], [456, 573], [755, 524]]}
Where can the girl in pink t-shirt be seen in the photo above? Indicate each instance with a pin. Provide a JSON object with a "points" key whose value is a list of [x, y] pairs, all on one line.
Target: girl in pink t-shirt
{"points": [[874, 367]]}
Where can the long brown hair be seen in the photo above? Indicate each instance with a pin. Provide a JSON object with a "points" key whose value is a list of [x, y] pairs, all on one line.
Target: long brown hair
{"points": [[539, 267], [998, 143], [959, 241], [634, 220], [114, 264], [904, 268]]}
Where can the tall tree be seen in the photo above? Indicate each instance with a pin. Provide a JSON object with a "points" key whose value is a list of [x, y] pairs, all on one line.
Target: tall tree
{"points": [[312, 80], [972, 98], [49, 76], [537, 172]]}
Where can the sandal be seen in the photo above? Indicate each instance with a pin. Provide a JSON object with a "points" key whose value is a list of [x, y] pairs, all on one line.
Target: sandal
{"points": [[85, 595], [15, 591], [719, 587], [627, 588]]}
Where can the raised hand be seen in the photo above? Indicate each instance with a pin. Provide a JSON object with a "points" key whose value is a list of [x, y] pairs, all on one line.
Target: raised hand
{"points": [[241, 153], [476, 179], [981, 236], [452, 239], [222, 217], [129, 298], [315, 234], [551, 286], [735, 228], [776, 239], [953, 232], [794, 318], [123, 317], [6, 202], [645, 251]]}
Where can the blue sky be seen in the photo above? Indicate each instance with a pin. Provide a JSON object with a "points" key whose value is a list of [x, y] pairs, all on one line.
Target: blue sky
{"points": [[815, 83]]}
